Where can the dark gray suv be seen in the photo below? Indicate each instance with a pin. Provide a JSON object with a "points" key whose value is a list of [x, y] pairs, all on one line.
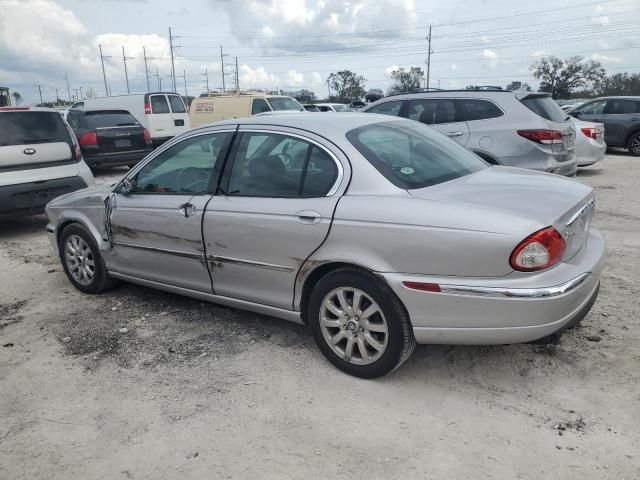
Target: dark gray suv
{"points": [[621, 118]]}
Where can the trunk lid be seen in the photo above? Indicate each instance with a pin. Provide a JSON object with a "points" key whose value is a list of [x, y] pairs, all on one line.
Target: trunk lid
{"points": [[547, 199], [120, 139], [34, 153]]}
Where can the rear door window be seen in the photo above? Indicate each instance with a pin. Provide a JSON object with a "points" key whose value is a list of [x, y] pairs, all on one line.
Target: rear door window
{"points": [[177, 106], [620, 107], [473, 109], [545, 106], [108, 119], [432, 111], [20, 128], [259, 105], [159, 104], [387, 108]]}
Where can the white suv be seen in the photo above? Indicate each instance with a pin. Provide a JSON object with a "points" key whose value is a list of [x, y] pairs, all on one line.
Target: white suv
{"points": [[39, 160], [513, 128]]}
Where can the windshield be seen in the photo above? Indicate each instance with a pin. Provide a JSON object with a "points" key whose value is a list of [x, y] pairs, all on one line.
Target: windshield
{"points": [[20, 128], [411, 155], [105, 119], [546, 107], [338, 107], [284, 103]]}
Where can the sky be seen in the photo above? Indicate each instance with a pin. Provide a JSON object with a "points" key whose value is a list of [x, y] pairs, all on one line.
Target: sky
{"points": [[294, 44]]}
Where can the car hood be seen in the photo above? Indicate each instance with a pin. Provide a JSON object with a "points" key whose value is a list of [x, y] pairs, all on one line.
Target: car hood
{"points": [[87, 196], [542, 197]]}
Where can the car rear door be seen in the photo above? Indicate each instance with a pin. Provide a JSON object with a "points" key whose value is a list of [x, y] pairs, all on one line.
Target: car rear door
{"points": [[156, 227], [160, 118], [179, 114], [620, 116], [281, 192], [442, 114]]}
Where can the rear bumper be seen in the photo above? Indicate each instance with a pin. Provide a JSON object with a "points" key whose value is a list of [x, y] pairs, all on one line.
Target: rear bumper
{"points": [[157, 141], [590, 153], [504, 310], [116, 158], [542, 159], [31, 198]]}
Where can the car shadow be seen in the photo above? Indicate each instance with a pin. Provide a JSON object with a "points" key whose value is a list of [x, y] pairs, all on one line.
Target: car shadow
{"points": [[589, 172], [24, 225]]}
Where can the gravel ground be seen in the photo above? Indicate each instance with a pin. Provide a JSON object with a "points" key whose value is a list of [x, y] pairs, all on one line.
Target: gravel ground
{"points": [[138, 383]]}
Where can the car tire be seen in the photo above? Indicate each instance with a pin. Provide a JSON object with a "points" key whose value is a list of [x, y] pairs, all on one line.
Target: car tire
{"points": [[633, 144], [385, 334], [82, 261]]}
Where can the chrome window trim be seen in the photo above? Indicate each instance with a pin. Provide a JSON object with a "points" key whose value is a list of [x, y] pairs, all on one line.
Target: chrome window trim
{"points": [[249, 263], [543, 292], [340, 176]]}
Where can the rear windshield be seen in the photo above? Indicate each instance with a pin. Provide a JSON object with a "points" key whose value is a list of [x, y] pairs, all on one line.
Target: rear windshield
{"points": [[411, 155], [176, 104], [546, 107], [284, 103], [105, 119], [20, 128]]}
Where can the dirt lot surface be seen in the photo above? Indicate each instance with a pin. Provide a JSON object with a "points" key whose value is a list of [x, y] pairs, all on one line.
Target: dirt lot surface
{"points": [[194, 391]]}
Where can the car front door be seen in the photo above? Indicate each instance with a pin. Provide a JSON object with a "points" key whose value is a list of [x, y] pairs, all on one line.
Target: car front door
{"points": [[160, 120], [156, 227], [441, 114], [280, 193], [620, 115]]}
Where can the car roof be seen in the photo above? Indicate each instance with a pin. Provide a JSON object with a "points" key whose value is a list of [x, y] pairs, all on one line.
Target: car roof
{"points": [[325, 125], [617, 97]]}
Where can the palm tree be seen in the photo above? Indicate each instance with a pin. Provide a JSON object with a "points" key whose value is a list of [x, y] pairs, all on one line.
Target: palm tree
{"points": [[17, 98]]}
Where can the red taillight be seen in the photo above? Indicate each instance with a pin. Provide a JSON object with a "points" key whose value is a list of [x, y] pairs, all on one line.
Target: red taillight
{"points": [[538, 251], [14, 108], [147, 108], [590, 132], [147, 135], [423, 287], [88, 138], [542, 136]]}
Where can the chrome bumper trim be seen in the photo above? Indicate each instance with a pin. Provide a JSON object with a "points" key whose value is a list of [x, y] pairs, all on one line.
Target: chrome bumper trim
{"points": [[177, 253], [543, 292]]}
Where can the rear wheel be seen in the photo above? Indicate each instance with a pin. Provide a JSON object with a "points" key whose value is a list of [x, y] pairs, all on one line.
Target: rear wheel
{"points": [[633, 145], [82, 261], [359, 324]]}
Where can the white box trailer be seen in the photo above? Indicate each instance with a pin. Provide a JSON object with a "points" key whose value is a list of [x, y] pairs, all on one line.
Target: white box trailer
{"points": [[162, 113]]}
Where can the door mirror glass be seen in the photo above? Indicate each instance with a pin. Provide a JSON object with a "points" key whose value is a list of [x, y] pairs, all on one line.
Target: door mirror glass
{"points": [[127, 186]]}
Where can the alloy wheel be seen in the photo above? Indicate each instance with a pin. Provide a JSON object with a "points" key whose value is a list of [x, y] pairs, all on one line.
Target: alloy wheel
{"points": [[79, 260]]}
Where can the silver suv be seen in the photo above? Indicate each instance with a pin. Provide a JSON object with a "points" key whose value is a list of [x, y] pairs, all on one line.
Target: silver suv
{"points": [[514, 128]]}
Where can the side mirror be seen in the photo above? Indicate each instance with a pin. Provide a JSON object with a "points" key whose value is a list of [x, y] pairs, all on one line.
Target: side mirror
{"points": [[127, 186]]}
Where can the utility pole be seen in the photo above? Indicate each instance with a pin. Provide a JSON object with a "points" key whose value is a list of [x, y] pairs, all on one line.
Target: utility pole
{"points": [[237, 78], [81, 94], [429, 57], [173, 66], [57, 96], [146, 69], [157, 75], [40, 92], [222, 66], [328, 91], [126, 74], [66, 76], [104, 75], [184, 76], [206, 76]]}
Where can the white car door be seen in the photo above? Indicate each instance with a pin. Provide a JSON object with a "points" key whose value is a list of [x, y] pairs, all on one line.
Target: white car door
{"points": [[160, 119], [179, 114]]}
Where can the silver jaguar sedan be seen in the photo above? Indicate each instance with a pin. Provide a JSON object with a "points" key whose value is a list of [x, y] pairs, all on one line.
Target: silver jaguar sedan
{"points": [[375, 232]]}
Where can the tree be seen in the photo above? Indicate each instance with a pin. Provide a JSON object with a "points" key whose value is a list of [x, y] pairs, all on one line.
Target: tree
{"points": [[618, 84], [347, 85], [559, 77], [405, 80], [17, 98], [374, 95], [518, 86]]}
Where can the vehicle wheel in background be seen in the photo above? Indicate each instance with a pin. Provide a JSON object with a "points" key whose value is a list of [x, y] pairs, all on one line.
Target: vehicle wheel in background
{"points": [[633, 145], [359, 323], [82, 261]]}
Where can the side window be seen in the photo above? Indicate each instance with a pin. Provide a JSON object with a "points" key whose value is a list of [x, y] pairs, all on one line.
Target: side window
{"points": [[387, 108], [275, 165], [432, 112], [159, 104], [478, 109], [185, 168], [176, 104], [593, 108], [621, 107], [73, 121], [259, 105]]}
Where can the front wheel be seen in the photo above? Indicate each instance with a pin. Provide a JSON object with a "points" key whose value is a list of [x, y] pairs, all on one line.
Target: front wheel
{"points": [[633, 145], [82, 261], [359, 324]]}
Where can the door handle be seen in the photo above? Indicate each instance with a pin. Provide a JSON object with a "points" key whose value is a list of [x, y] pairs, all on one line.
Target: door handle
{"points": [[454, 134], [309, 217], [187, 210]]}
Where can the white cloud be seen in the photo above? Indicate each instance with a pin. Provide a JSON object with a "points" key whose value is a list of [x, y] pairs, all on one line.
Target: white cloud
{"points": [[257, 77], [454, 66], [596, 57], [484, 39], [489, 57], [390, 69], [538, 53], [316, 79], [293, 79]]}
